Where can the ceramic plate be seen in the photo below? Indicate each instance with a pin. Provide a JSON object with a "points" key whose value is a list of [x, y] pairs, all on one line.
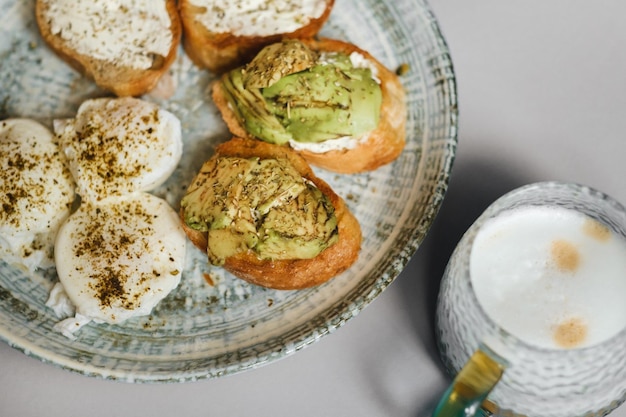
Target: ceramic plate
{"points": [[214, 324]]}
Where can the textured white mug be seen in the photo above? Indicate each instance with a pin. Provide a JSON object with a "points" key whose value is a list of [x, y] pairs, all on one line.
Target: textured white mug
{"points": [[496, 373]]}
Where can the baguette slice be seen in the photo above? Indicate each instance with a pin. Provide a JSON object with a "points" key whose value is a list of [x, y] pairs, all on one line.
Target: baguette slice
{"points": [[118, 78], [222, 51], [295, 273], [380, 146]]}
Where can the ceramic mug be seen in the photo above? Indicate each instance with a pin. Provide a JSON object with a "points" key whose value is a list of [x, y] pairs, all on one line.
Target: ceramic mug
{"points": [[502, 372]]}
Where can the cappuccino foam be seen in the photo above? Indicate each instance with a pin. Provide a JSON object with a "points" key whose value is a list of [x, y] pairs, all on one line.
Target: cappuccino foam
{"points": [[552, 277]]}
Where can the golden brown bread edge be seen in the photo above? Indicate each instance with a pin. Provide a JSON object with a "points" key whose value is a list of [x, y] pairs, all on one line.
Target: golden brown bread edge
{"points": [[220, 52], [383, 144], [296, 273], [121, 81]]}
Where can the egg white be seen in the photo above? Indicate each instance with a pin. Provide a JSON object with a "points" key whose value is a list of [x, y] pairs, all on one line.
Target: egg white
{"points": [[117, 259], [117, 146], [37, 193]]}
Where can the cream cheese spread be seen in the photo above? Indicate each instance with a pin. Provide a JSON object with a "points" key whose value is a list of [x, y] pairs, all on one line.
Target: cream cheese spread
{"points": [[342, 143], [258, 17], [128, 32]]}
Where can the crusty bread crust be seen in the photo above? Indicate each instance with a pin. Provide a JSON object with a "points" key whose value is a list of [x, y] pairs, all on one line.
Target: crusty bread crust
{"points": [[383, 144], [296, 273], [220, 52], [121, 81]]}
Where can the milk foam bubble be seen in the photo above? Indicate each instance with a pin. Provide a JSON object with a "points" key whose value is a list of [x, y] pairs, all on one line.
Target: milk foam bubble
{"points": [[552, 277]]}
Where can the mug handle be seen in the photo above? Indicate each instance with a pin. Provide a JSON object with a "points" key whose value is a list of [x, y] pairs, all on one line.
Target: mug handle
{"points": [[471, 386]]}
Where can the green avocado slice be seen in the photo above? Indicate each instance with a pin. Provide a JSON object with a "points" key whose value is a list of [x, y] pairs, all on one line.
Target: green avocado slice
{"points": [[329, 99], [262, 205]]}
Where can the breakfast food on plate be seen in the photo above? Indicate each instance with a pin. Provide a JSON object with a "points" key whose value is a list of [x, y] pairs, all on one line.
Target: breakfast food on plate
{"points": [[123, 249], [120, 145], [124, 46], [258, 210], [220, 35], [37, 193], [331, 101], [116, 260]]}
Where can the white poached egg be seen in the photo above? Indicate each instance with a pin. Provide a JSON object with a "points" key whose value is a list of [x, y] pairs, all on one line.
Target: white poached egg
{"points": [[118, 259], [117, 146], [37, 193], [123, 250]]}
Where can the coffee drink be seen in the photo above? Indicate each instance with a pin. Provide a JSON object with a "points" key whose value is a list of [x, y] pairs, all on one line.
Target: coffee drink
{"points": [[551, 276]]}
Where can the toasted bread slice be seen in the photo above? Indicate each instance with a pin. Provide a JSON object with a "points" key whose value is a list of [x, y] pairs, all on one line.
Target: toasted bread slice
{"points": [[294, 273], [111, 71], [219, 49], [379, 146]]}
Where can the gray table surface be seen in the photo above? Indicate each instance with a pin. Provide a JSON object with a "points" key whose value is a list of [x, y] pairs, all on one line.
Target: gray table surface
{"points": [[542, 95]]}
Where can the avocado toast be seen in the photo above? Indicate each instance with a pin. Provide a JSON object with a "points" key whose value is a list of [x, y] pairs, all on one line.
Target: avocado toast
{"points": [[258, 210], [329, 100]]}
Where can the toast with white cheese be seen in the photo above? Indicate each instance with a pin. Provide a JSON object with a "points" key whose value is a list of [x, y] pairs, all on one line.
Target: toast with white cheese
{"points": [[361, 147], [258, 210], [125, 47], [221, 35]]}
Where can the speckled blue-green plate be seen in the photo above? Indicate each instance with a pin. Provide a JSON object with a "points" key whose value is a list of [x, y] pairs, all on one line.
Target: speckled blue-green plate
{"points": [[209, 328]]}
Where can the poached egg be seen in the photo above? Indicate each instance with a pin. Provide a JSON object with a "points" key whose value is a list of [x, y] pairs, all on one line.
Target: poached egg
{"points": [[37, 193], [117, 146], [117, 259], [123, 250]]}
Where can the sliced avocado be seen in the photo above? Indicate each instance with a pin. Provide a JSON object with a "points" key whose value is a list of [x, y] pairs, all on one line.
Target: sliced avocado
{"points": [[276, 61], [327, 99], [207, 207], [263, 205], [251, 110], [299, 229], [224, 242]]}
